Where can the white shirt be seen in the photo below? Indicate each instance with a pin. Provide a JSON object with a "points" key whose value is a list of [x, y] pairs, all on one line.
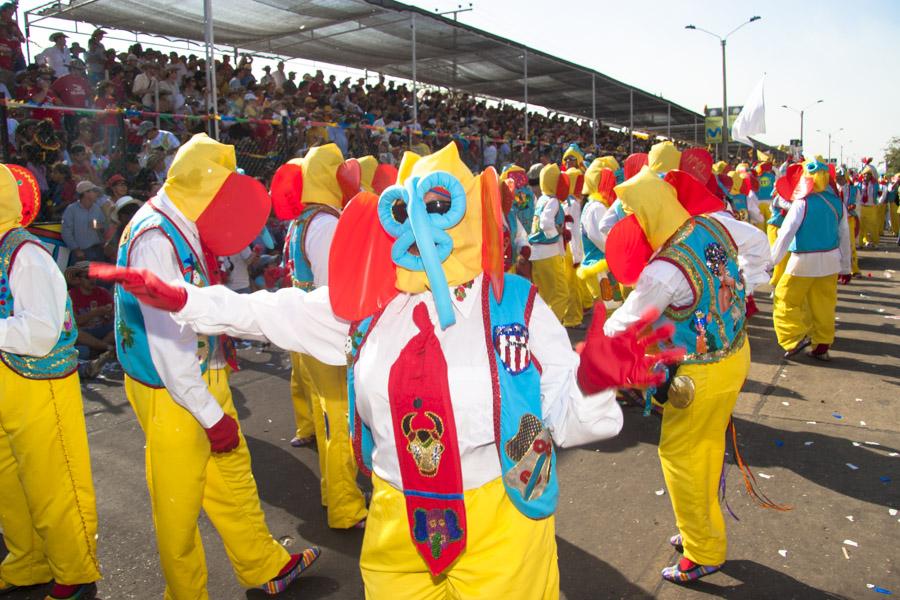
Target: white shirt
{"points": [[490, 155], [753, 208], [56, 59], [173, 347], [576, 245], [39, 292], [319, 234], [662, 284], [811, 264], [591, 217], [303, 322], [607, 222], [547, 224], [239, 277]]}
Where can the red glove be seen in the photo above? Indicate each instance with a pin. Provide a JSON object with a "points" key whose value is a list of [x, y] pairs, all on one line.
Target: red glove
{"points": [[144, 285], [622, 360], [567, 236], [223, 436], [751, 308], [844, 278]]}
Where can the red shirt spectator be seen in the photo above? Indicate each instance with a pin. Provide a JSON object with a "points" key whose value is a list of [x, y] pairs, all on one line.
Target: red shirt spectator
{"points": [[73, 89], [86, 301]]}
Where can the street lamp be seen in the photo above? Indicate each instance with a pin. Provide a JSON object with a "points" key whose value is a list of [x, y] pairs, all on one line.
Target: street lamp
{"points": [[722, 40], [800, 111], [829, 140]]}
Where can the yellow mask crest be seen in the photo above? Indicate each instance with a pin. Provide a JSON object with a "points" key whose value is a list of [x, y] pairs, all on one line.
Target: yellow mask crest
{"points": [[10, 205], [663, 157], [199, 169], [549, 179], [320, 185], [655, 203], [367, 166]]}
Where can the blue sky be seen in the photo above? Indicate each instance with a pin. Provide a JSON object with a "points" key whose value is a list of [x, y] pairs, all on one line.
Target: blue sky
{"points": [[847, 54]]}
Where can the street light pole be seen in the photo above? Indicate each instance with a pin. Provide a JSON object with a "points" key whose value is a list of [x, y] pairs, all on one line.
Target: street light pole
{"points": [[722, 40], [829, 140], [801, 111]]}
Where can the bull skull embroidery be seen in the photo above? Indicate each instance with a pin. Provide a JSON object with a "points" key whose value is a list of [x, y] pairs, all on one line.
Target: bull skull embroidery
{"points": [[425, 443]]}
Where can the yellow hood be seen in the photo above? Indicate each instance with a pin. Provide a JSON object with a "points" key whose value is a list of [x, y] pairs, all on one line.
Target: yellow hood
{"points": [[549, 179], [663, 157], [573, 175], [367, 166], [10, 205], [655, 204], [720, 167], [407, 161], [464, 262], [320, 185], [199, 169]]}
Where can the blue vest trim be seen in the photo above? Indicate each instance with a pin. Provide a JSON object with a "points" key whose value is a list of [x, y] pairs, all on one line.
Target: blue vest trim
{"points": [[132, 347], [295, 256], [537, 234], [62, 360], [819, 231]]}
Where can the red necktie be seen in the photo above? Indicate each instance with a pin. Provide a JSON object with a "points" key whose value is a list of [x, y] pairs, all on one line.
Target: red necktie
{"points": [[427, 447]]}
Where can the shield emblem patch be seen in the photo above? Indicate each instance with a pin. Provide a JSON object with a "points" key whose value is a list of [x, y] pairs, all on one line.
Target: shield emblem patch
{"points": [[511, 344]]}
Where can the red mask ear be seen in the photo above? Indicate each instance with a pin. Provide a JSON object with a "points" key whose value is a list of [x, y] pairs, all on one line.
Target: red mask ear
{"points": [[349, 177], [562, 187], [507, 195], [385, 175], [634, 163], [693, 196], [235, 216], [697, 162], [361, 275], [579, 184], [287, 191], [492, 231], [29, 193], [627, 250], [793, 184], [607, 185]]}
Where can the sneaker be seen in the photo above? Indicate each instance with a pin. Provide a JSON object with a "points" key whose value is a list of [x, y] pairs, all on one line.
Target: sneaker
{"points": [[95, 366], [677, 542], [84, 591], [302, 442], [298, 564], [800, 346], [820, 352], [685, 571]]}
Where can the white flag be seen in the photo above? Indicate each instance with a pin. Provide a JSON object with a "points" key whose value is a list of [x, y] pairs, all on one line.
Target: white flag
{"points": [[752, 120]]}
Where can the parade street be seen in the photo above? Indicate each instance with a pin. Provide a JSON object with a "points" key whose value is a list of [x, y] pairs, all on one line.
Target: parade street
{"points": [[822, 437]]}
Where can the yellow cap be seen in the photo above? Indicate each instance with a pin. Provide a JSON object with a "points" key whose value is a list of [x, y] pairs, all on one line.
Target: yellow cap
{"points": [[719, 168], [573, 174], [549, 178], [320, 185], [10, 205], [608, 162], [664, 157], [367, 166], [655, 203], [199, 169]]}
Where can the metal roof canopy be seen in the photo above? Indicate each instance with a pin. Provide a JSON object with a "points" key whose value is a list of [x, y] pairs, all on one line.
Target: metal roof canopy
{"points": [[377, 35]]}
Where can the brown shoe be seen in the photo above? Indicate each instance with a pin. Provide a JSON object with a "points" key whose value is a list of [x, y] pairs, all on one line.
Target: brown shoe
{"points": [[800, 346]]}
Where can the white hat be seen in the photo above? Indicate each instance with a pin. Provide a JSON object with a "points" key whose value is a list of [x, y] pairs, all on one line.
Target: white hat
{"points": [[249, 96], [125, 201]]}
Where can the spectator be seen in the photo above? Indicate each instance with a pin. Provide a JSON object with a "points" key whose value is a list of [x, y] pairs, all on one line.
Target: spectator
{"points": [[123, 211], [170, 97], [57, 56], [82, 170], [145, 83], [82, 224], [11, 39], [236, 269], [289, 87], [73, 88], [62, 191], [94, 309], [490, 151], [158, 139], [278, 77], [96, 57]]}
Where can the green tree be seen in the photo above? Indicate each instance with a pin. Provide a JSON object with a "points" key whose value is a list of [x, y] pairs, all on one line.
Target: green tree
{"points": [[892, 155]]}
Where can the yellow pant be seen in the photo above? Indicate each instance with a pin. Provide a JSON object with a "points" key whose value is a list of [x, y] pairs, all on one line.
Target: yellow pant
{"points": [[184, 475], [507, 554], [870, 228], [47, 509], [853, 223], [766, 212], [691, 451], [574, 311], [804, 306], [346, 503], [778, 271], [301, 394], [550, 277]]}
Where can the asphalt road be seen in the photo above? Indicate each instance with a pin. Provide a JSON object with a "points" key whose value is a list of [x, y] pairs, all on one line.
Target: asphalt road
{"points": [[822, 437]]}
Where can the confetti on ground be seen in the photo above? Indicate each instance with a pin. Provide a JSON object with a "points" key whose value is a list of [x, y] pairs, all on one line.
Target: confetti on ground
{"points": [[892, 512], [810, 422], [857, 444], [852, 466], [765, 475], [884, 479], [783, 553], [851, 543], [859, 399], [862, 423], [894, 454], [880, 590], [844, 550], [872, 444], [786, 403], [837, 415], [808, 443], [660, 492], [779, 443], [850, 518]]}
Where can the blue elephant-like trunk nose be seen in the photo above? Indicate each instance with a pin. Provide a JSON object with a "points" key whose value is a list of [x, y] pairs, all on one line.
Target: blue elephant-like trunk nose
{"points": [[437, 280]]}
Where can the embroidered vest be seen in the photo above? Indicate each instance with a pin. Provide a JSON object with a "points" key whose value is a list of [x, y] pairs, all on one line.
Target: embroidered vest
{"points": [[62, 360], [819, 230], [777, 217], [295, 260], [537, 234], [592, 254], [739, 202], [710, 327], [527, 457], [131, 334], [523, 207]]}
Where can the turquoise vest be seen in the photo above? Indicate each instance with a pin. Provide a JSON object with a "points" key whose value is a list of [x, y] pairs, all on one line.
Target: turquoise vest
{"points": [[766, 186], [523, 207], [819, 230], [537, 234], [295, 260], [592, 254], [777, 218], [851, 200], [711, 327], [62, 360], [131, 333], [527, 456]]}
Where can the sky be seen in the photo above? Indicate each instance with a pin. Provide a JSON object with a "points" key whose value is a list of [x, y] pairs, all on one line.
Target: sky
{"points": [[846, 54]]}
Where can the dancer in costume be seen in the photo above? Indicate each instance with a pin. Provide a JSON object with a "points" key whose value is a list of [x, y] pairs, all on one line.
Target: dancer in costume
{"points": [[548, 254], [47, 510], [309, 191], [869, 225], [177, 382], [599, 181], [577, 295], [688, 258], [523, 200], [572, 158], [815, 231], [849, 193], [765, 176], [449, 408]]}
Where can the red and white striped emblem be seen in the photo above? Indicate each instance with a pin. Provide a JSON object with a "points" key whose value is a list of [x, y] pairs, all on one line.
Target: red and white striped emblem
{"points": [[511, 344]]}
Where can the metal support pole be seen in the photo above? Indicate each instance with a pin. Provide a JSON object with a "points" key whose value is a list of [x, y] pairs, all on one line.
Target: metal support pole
{"points": [[4, 131], [669, 121], [696, 139], [724, 107], [212, 92], [631, 121], [412, 20], [801, 131], [156, 100], [27, 38], [594, 109], [526, 95]]}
